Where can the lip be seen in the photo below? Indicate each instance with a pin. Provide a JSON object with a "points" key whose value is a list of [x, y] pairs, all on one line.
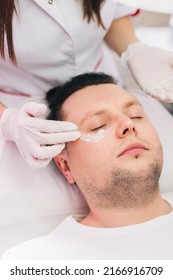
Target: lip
{"points": [[134, 148]]}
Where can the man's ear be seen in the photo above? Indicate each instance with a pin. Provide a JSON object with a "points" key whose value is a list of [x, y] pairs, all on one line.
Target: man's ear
{"points": [[62, 163]]}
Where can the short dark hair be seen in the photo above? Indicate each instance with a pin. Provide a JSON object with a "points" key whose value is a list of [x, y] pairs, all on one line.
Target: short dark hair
{"points": [[57, 95]]}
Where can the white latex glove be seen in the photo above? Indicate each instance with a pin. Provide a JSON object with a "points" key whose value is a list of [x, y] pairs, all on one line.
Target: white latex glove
{"points": [[152, 68], [38, 140]]}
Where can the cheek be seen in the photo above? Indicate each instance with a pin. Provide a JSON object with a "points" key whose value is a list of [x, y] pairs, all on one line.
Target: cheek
{"points": [[86, 158], [151, 135]]}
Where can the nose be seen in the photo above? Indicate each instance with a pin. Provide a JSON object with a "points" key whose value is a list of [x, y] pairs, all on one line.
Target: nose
{"points": [[125, 127]]}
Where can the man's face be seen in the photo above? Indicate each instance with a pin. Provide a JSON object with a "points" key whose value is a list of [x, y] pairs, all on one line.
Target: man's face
{"points": [[130, 146]]}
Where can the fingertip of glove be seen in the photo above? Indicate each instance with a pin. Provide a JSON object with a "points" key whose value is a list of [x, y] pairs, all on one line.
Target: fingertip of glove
{"points": [[69, 126], [76, 135], [42, 109], [35, 109], [39, 163]]}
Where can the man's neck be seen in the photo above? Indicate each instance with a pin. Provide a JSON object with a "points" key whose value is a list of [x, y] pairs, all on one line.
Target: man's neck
{"points": [[111, 218]]}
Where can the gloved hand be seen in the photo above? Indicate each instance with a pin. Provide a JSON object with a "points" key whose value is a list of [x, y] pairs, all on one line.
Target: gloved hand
{"points": [[152, 68], [38, 140]]}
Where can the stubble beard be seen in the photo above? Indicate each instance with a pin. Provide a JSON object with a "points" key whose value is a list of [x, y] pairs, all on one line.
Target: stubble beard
{"points": [[126, 189]]}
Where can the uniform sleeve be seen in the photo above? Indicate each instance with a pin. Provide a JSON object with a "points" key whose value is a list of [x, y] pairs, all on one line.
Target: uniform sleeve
{"points": [[122, 10]]}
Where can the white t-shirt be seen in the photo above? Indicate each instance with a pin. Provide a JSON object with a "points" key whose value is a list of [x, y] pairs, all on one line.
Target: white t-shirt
{"points": [[71, 240]]}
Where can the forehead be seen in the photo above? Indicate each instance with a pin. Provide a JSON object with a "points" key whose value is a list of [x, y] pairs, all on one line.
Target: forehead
{"points": [[96, 97]]}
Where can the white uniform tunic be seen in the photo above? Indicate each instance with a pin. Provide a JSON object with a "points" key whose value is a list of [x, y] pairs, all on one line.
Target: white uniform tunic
{"points": [[53, 43]]}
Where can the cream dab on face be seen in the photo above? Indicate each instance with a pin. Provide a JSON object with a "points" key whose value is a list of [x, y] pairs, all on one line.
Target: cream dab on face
{"points": [[95, 136], [96, 126]]}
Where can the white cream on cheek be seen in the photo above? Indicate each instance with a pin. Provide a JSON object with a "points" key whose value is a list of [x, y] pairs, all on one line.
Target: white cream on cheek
{"points": [[98, 129], [95, 137], [87, 137]]}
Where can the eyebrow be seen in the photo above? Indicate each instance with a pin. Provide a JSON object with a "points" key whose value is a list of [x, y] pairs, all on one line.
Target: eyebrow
{"points": [[94, 113], [132, 102]]}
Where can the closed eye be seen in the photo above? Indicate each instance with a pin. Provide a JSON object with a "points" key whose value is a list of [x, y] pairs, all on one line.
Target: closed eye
{"points": [[137, 117], [99, 127]]}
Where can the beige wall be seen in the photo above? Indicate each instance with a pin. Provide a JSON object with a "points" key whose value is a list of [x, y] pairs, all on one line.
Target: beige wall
{"points": [[151, 19]]}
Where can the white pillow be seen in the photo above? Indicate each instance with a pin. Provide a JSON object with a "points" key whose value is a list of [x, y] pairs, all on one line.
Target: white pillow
{"points": [[32, 202]]}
